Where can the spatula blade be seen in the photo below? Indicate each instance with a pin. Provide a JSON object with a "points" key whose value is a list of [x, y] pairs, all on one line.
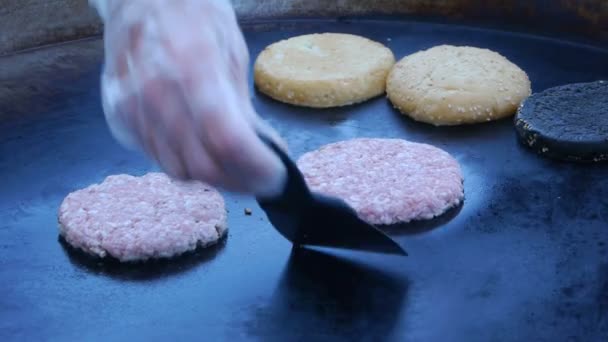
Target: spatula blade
{"points": [[306, 218], [330, 222]]}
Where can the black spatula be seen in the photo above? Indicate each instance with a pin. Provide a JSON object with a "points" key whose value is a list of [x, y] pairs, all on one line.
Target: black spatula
{"points": [[307, 218]]}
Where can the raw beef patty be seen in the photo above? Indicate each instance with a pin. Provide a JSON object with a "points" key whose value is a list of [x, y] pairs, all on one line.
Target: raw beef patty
{"points": [[138, 218], [387, 181]]}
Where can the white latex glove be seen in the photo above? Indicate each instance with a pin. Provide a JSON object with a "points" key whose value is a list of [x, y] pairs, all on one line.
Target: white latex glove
{"points": [[175, 85]]}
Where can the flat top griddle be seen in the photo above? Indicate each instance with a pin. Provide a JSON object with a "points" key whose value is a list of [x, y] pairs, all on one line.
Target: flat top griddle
{"points": [[525, 258]]}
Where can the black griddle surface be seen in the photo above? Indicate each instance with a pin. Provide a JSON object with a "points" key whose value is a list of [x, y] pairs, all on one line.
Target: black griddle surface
{"points": [[525, 258]]}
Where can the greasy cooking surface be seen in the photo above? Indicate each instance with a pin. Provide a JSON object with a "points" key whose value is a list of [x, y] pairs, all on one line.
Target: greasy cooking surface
{"points": [[525, 258]]}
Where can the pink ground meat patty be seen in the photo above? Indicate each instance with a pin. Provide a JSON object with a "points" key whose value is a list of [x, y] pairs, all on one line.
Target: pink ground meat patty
{"points": [[387, 181], [138, 218]]}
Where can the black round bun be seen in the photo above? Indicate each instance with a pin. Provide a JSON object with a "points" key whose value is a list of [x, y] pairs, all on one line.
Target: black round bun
{"points": [[568, 123]]}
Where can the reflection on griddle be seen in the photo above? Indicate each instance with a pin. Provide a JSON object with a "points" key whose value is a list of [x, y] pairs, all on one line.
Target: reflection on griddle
{"points": [[140, 271], [340, 299], [332, 116]]}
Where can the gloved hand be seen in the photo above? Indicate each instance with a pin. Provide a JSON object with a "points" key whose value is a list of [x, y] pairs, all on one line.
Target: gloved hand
{"points": [[174, 84]]}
